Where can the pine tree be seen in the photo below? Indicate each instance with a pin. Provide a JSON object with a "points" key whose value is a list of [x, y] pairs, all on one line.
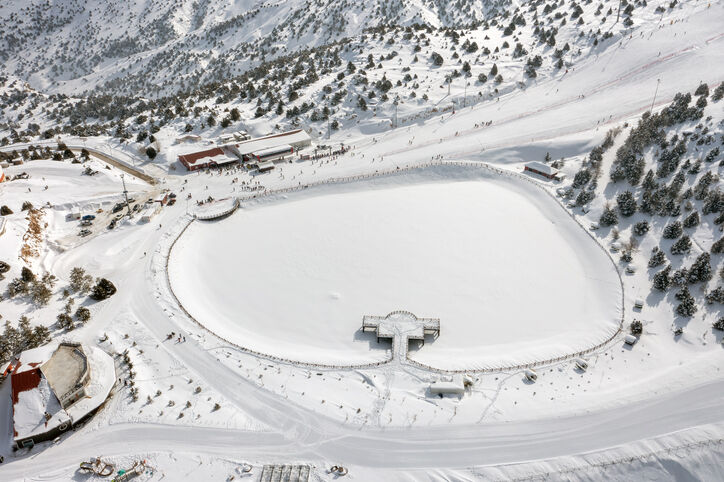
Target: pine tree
{"points": [[703, 89], [715, 296], [662, 279], [641, 228], [65, 321], [626, 203], [719, 324], [692, 220], [608, 217], [701, 269], [581, 178], [626, 256], [718, 246], [687, 305], [683, 245], [103, 289], [658, 258], [673, 230], [680, 277], [650, 183], [82, 314]]}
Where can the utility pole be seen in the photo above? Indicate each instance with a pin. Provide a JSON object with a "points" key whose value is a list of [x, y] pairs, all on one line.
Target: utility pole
{"points": [[619, 11], [125, 194], [658, 81]]}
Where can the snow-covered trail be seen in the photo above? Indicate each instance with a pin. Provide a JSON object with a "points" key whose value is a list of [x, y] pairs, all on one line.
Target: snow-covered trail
{"points": [[438, 447]]}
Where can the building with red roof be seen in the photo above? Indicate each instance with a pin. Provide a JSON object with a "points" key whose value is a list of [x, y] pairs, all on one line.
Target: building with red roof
{"points": [[54, 387]]}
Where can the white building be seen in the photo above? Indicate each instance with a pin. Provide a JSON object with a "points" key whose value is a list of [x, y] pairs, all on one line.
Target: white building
{"points": [[542, 169], [454, 385], [297, 139]]}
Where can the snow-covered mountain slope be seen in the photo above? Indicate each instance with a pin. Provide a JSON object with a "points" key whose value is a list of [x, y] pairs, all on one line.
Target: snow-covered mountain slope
{"points": [[383, 76], [74, 45]]}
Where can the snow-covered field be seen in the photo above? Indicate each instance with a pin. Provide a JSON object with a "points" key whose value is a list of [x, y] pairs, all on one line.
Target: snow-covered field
{"points": [[511, 276], [506, 269]]}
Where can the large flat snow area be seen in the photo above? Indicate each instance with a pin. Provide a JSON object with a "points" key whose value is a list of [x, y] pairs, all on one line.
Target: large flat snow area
{"points": [[508, 272]]}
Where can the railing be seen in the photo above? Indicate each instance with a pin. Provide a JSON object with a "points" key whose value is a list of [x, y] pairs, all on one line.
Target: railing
{"points": [[223, 214]]}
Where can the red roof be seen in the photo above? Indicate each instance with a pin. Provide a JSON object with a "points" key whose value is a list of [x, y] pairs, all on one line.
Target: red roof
{"points": [[24, 381], [191, 158]]}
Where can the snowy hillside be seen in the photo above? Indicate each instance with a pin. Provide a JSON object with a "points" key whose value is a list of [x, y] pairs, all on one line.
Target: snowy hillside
{"points": [[149, 44], [386, 76]]}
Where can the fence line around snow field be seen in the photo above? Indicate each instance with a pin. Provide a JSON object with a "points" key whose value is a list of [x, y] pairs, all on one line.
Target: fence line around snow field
{"points": [[245, 349], [399, 170]]}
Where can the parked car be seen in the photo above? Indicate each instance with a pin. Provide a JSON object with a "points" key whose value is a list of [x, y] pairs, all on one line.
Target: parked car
{"points": [[88, 217], [84, 232], [172, 201], [86, 222], [112, 224], [117, 208], [172, 195]]}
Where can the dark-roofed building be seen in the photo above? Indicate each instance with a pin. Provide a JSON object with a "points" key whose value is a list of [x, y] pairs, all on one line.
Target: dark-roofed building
{"points": [[218, 156]]}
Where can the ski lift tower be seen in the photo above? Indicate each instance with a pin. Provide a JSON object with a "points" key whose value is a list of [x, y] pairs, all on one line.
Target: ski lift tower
{"points": [[125, 194]]}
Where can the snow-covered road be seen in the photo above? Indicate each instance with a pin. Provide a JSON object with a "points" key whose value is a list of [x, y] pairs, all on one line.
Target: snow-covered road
{"points": [[306, 436]]}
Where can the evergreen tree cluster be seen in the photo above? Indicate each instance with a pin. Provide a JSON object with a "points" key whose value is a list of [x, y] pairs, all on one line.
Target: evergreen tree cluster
{"points": [[662, 279], [641, 228], [687, 305], [16, 340], [629, 164], [658, 258], [681, 246], [715, 296], [103, 289]]}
